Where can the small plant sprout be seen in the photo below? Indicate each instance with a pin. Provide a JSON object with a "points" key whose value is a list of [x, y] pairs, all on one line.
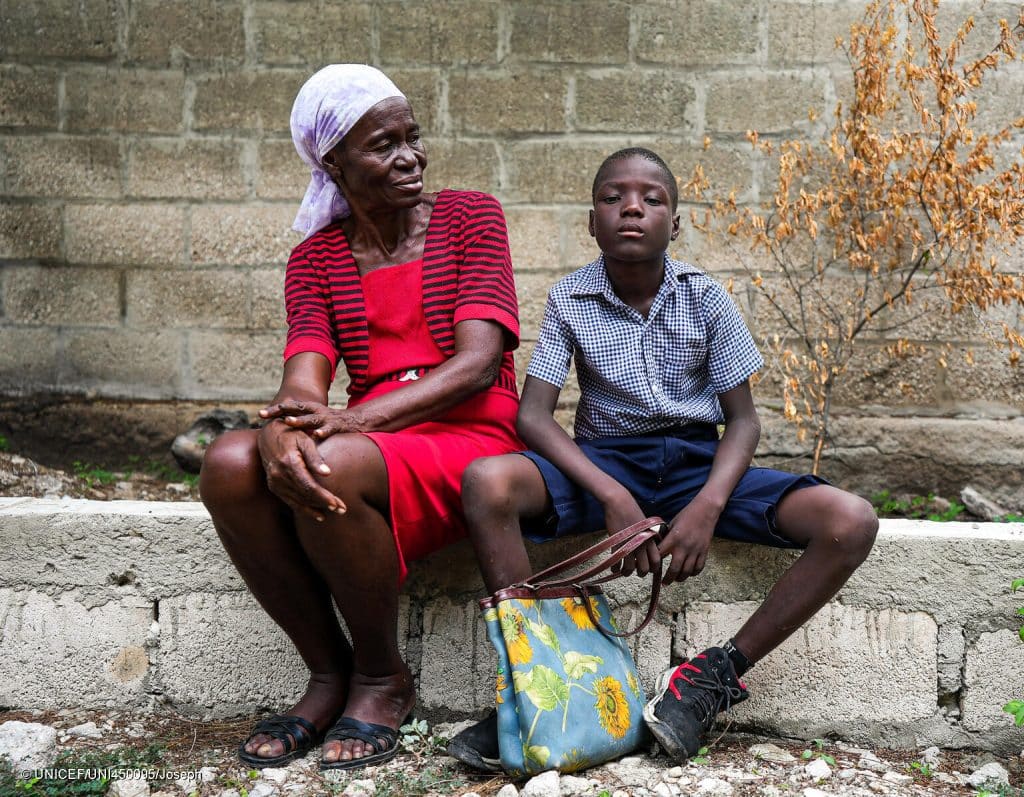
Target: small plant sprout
{"points": [[818, 752], [1015, 708], [415, 737], [922, 769], [702, 757]]}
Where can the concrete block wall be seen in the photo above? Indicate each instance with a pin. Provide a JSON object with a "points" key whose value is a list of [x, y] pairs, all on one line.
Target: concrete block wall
{"points": [[148, 183], [134, 604]]}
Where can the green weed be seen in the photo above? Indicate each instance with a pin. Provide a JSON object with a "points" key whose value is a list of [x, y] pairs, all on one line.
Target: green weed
{"points": [[703, 756], [125, 758], [440, 778], [93, 474], [4, 444], [818, 752], [916, 507], [1015, 708], [922, 769]]}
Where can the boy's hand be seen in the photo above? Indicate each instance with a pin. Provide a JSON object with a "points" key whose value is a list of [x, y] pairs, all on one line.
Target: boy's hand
{"points": [[688, 540], [621, 512]]}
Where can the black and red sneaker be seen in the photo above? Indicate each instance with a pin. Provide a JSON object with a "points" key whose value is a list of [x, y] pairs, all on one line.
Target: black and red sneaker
{"points": [[689, 698]]}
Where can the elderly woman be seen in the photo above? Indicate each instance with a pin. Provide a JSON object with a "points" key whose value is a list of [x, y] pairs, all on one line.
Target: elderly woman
{"points": [[414, 293]]}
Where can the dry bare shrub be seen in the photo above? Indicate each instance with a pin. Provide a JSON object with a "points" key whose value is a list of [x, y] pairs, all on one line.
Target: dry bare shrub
{"points": [[908, 193]]}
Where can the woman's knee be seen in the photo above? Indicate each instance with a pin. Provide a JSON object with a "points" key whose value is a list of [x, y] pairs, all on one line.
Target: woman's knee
{"points": [[231, 471]]}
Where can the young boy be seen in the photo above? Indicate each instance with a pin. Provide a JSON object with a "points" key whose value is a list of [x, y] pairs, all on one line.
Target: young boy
{"points": [[662, 356]]}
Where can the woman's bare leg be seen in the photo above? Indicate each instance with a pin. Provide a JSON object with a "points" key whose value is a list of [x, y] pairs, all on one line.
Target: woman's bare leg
{"points": [[258, 532], [355, 552]]}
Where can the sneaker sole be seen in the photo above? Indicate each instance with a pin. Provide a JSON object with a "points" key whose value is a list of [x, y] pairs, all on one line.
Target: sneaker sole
{"points": [[662, 731], [472, 758]]}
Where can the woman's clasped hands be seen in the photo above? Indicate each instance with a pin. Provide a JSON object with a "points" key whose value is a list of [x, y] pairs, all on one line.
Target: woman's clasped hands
{"points": [[288, 450]]}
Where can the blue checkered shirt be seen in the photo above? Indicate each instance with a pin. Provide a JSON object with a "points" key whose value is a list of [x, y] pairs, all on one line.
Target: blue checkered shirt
{"points": [[639, 375]]}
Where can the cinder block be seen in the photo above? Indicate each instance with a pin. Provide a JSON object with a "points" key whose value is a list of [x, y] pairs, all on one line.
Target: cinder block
{"points": [[697, 32], [64, 167], [28, 96], [439, 32], [767, 102], [147, 101], [451, 627], [19, 373], [580, 246], [192, 169], [994, 112], [986, 376], [652, 647], [280, 173], [553, 171], [532, 288], [993, 676], [335, 33], [471, 165], [247, 100], [125, 234], [580, 32], [727, 166], [267, 299], [806, 32], [985, 34], [422, 88], [62, 296], [516, 102], [876, 666], [166, 31], [58, 651], [121, 361], [56, 28], [174, 299], [29, 231], [614, 102], [248, 663], [236, 365], [223, 654], [535, 239], [242, 234]]}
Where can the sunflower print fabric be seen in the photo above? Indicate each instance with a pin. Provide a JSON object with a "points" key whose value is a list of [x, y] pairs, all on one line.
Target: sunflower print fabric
{"points": [[568, 696]]}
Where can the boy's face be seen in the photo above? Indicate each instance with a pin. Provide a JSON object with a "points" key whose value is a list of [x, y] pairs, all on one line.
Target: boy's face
{"points": [[633, 218]]}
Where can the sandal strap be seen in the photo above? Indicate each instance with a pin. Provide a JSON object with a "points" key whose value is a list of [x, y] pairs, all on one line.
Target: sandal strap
{"points": [[379, 737], [283, 726]]}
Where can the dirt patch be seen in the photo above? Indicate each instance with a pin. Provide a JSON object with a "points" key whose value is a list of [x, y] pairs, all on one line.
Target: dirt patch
{"points": [[150, 480]]}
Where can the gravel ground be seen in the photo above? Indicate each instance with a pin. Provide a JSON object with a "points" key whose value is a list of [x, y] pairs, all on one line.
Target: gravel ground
{"points": [[733, 766]]}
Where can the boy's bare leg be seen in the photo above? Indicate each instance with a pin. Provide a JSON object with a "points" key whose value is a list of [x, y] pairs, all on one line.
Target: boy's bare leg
{"points": [[496, 493], [838, 529]]}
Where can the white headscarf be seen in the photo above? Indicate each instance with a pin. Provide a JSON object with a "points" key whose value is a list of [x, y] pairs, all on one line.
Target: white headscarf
{"points": [[326, 108]]}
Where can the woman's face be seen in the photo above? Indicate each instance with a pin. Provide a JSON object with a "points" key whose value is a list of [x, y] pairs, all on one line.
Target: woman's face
{"points": [[379, 164]]}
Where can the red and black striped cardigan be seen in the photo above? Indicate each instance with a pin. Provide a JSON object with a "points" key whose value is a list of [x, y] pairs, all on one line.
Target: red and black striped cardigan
{"points": [[467, 273]]}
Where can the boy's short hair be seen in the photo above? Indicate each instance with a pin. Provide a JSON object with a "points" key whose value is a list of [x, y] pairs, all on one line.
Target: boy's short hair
{"points": [[646, 154]]}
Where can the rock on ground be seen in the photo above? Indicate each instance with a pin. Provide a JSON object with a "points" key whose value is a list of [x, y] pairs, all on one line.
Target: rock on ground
{"points": [[28, 745]]}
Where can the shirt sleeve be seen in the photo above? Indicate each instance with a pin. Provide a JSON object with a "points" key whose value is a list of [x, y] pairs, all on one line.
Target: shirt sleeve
{"points": [[552, 355], [487, 287], [309, 319], [732, 354]]}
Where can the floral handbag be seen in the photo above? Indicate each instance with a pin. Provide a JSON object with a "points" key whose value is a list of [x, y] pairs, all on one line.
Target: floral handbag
{"points": [[568, 695]]}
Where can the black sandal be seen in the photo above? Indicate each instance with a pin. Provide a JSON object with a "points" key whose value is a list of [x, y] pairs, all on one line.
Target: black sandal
{"points": [[296, 733], [381, 738]]}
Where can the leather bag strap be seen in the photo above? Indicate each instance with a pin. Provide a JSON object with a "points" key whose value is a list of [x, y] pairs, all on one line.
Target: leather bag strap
{"points": [[621, 544]]}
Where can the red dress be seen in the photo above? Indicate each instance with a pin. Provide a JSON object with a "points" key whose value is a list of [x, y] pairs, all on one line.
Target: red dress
{"points": [[391, 326]]}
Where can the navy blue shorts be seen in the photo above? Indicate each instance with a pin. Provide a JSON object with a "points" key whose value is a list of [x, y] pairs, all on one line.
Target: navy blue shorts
{"points": [[664, 472]]}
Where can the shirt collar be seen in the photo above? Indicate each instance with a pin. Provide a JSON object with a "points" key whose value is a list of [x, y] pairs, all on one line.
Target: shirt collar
{"points": [[594, 280]]}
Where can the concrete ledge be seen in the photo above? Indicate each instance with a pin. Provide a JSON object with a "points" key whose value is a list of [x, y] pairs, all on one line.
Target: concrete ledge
{"points": [[128, 603]]}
